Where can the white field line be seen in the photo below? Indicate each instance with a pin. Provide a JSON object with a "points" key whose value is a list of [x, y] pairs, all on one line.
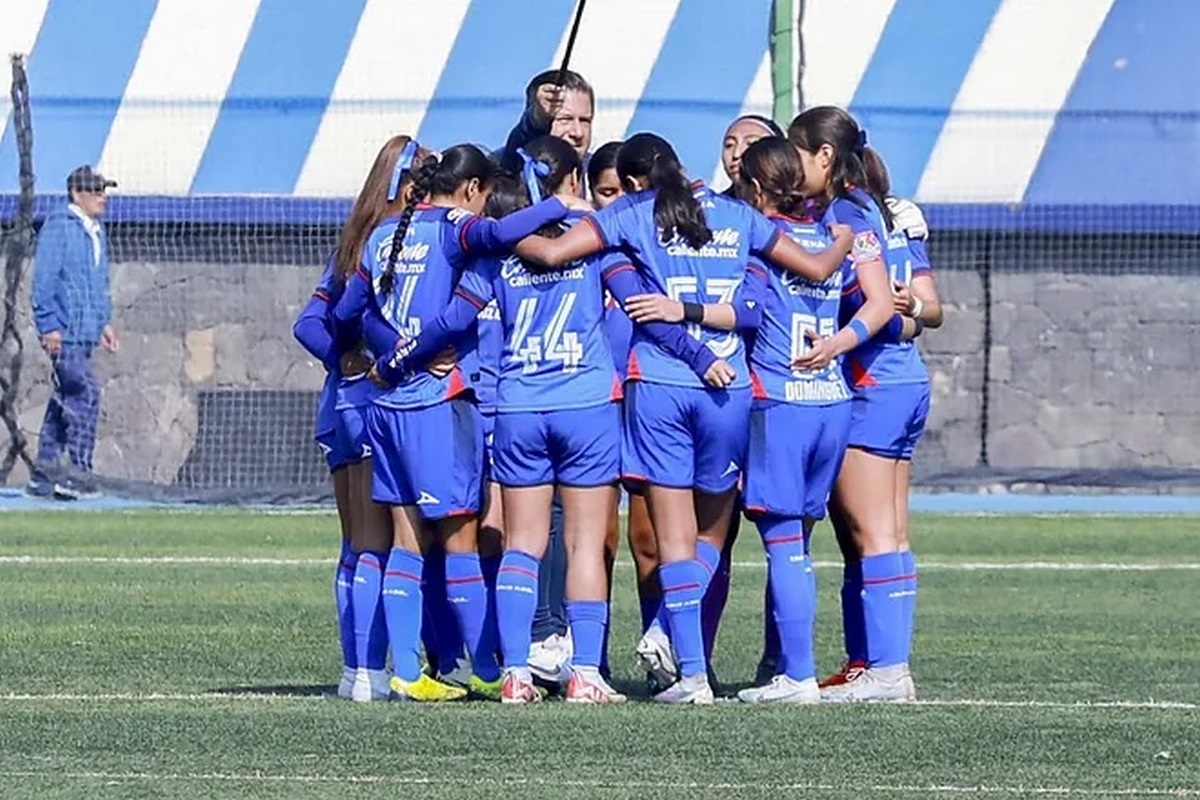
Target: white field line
{"points": [[250, 696], [253, 561], [514, 781]]}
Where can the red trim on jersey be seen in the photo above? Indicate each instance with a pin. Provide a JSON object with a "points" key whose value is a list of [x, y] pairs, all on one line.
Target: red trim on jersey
{"points": [[321, 294], [859, 375], [470, 298], [618, 390], [754, 510], [759, 392], [780, 215], [633, 371], [423, 206], [595, 226], [462, 233], [462, 512], [457, 384], [362, 273], [758, 271], [616, 268]]}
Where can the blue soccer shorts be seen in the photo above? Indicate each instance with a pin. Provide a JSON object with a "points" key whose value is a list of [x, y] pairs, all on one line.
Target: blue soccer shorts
{"points": [[684, 437], [794, 457], [488, 420], [888, 420], [348, 442], [430, 458], [572, 447]]}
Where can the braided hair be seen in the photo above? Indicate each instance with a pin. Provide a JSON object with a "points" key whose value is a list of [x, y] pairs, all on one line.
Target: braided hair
{"points": [[436, 175]]}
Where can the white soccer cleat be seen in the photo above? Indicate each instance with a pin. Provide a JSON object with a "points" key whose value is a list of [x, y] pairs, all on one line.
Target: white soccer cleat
{"points": [[370, 685], [587, 685], [346, 686], [518, 688], [693, 691], [459, 676], [874, 685], [783, 689], [657, 657], [550, 658]]}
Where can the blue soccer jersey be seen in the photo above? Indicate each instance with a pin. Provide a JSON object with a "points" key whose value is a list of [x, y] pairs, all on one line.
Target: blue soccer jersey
{"points": [[710, 274], [491, 342], [878, 362], [792, 307], [554, 351], [428, 268]]}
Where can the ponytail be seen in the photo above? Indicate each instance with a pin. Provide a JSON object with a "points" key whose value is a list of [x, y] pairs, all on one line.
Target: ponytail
{"points": [[677, 212], [833, 126], [422, 181]]}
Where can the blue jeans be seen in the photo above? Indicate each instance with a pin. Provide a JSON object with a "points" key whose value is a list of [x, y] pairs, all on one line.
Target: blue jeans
{"points": [[73, 411]]}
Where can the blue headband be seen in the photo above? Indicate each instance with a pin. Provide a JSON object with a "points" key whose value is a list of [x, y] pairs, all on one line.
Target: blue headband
{"points": [[403, 164], [862, 139], [531, 170]]}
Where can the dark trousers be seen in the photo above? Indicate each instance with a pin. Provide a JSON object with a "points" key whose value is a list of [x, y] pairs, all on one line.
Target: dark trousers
{"points": [[73, 411], [551, 614]]}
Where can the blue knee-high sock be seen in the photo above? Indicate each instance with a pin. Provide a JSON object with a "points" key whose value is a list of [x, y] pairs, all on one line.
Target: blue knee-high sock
{"points": [[440, 632], [683, 590], [343, 592], [490, 641], [884, 608], [370, 632], [853, 622], [402, 607], [789, 569], [589, 620], [716, 592], [516, 601], [909, 565], [467, 593]]}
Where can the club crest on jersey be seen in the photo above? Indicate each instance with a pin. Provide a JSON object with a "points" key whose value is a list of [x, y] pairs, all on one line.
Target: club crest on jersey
{"points": [[866, 246], [724, 244]]}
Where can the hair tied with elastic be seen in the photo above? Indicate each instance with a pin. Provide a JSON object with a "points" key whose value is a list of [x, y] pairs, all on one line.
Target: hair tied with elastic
{"points": [[862, 140], [531, 171], [404, 163]]}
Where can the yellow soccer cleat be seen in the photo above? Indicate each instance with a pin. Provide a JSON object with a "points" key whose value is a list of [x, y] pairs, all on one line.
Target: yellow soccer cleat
{"points": [[485, 690], [426, 690]]}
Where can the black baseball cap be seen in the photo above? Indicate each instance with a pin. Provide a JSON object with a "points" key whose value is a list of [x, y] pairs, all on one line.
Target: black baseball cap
{"points": [[87, 179]]}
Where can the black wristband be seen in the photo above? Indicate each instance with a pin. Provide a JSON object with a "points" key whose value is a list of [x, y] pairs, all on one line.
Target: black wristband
{"points": [[693, 312]]}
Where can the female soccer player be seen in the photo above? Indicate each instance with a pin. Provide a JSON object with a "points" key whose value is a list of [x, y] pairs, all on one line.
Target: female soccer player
{"points": [[685, 440], [916, 297], [800, 419], [424, 431], [344, 414], [883, 416], [741, 133], [314, 330], [557, 425]]}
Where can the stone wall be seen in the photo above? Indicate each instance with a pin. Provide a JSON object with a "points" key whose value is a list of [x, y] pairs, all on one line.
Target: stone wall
{"points": [[1087, 370], [184, 328]]}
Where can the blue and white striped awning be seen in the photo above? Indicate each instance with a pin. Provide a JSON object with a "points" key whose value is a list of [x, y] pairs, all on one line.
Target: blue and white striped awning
{"points": [[1056, 102]]}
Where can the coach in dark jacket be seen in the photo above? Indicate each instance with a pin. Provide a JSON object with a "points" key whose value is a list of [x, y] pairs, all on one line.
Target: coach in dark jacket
{"points": [[72, 308]]}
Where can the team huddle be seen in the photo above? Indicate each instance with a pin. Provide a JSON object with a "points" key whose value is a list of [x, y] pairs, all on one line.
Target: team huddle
{"points": [[512, 338]]}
